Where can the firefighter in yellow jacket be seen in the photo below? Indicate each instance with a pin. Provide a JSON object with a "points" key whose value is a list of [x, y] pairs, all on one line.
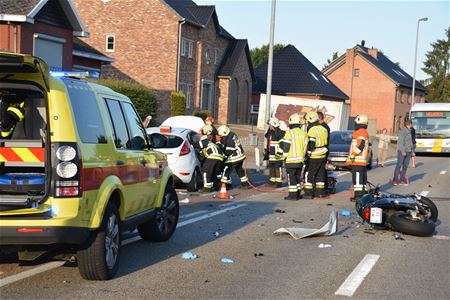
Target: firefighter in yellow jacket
{"points": [[358, 156], [293, 146], [213, 158], [317, 153]]}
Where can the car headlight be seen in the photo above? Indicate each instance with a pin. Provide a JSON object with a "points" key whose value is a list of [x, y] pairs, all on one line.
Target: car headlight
{"points": [[66, 169]]}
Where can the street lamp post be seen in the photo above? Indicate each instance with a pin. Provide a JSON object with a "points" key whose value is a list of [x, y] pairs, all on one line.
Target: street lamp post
{"points": [[415, 62], [269, 67]]}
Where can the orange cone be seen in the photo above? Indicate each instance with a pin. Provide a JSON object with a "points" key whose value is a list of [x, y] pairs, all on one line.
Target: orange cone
{"points": [[223, 194]]}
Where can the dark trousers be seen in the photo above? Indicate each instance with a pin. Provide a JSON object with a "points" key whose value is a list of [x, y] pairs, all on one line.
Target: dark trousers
{"points": [[209, 172], [275, 171], [315, 176], [226, 178], [294, 178], [359, 179], [402, 165]]}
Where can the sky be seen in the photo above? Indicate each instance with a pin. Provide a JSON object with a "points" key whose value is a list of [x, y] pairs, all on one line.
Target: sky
{"points": [[319, 28]]}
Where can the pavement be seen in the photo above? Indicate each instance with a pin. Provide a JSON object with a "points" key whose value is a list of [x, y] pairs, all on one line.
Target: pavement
{"points": [[361, 263]]}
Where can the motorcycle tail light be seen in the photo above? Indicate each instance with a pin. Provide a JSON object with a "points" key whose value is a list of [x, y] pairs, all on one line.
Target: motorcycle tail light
{"points": [[366, 214]]}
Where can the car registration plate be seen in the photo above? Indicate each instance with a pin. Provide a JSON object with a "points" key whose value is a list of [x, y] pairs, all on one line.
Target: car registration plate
{"points": [[376, 215], [338, 159]]}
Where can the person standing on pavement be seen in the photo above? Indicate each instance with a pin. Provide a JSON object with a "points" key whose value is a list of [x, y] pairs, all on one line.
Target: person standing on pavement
{"points": [[358, 156], [273, 136], [234, 156], [213, 158], [404, 153], [293, 146], [383, 147], [317, 153]]}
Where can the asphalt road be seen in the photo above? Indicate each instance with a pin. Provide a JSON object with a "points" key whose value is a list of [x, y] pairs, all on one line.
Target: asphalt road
{"points": [[267, 266]]}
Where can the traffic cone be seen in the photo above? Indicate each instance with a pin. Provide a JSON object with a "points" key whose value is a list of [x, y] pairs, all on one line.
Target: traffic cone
{"points": [[223, 194]]}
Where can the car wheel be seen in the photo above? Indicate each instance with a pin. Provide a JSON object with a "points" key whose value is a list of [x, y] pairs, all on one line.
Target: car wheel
{"points": [[196, 182], [99, 258], [162, 227]]}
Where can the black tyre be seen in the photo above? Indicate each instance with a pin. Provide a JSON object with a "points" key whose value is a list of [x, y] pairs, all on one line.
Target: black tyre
{"points": [[196, 182], [404, 224], [430, 207], [162, 227], [99, 258]]}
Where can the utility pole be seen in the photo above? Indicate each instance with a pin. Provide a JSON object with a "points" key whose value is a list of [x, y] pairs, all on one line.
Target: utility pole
{"points": [[415, 62]]}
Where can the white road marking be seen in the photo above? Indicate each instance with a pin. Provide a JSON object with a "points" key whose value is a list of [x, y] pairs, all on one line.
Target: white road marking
{"points": [[227, 204], [32, 272], [190, 221], [193, 214], [443, 172], [424, 193], [442, 237], [354, 280]]}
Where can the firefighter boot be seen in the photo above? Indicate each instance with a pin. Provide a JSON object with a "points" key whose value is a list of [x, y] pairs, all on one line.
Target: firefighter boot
{"points": [[291, 196]]}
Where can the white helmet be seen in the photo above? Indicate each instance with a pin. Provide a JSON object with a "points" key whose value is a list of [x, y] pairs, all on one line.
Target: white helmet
{"points": [[274, 122], [312, 117], [294, 119], [207, 129], [223, 130], [362, 119]]}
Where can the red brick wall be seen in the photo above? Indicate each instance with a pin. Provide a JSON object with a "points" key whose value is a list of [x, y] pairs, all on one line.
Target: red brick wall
{"points": [[7, 37], [223, 95], [146, 36]]}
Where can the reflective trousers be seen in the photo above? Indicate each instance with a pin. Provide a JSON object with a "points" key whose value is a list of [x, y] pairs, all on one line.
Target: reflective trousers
{"points": [[359, 178], [226, 174], [209, 172], [315, 176]]}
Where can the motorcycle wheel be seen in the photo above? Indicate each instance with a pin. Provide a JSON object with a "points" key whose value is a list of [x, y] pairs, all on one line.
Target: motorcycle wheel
{"points": [[430, 207], [403, 223]]}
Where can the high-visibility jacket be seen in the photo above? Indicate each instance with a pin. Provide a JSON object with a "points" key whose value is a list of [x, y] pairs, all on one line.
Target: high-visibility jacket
{"points": [[232, 148], [358, 153], [210, 150], [317, 141], [273, 143], [294, 145]]}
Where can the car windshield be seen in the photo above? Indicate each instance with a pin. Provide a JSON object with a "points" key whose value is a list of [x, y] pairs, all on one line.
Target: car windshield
{"points": [[166, 141], [341, 138], [432, 127]]}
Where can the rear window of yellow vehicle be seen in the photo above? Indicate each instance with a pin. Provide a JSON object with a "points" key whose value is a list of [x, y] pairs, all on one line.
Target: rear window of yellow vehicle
{"points": [[86, 112]]}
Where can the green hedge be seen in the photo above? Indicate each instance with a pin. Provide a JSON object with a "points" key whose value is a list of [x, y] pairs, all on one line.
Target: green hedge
{"points": [[178, 104], [143, 98], [202, 114]]}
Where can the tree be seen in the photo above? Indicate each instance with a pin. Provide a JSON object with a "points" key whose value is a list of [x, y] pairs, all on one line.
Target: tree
{"points": [[437, 67], [329, 61], [261, 55]]}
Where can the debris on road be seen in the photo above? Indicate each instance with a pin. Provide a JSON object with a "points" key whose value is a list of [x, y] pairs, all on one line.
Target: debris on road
{"points": [[227, 260], [186, 200], [258, 254], [325, 246], [368, 231], [189, 256], [398, 237], [329, 204], [296, 221], [216, 234], [346, 213], [298, 233], [280, 211]]}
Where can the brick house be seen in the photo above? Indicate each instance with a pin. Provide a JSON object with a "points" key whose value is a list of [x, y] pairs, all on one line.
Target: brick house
{"points": [[174, 45], [49, 29], [376, 86]]}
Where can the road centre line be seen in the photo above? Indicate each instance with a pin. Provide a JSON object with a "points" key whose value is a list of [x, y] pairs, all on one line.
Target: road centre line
{"points": [[32, 272], [190, 221], [354, 280], [193, 214]]}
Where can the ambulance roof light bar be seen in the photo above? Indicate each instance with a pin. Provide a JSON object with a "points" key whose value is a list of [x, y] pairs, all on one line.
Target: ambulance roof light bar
{"points": [[75, 74]]}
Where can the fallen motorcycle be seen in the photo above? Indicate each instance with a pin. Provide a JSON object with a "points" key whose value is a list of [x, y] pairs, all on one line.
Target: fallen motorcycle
{"points": [[409, 214]]}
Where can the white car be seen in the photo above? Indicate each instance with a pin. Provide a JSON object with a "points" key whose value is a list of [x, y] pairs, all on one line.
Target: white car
{"points": [[177, 144]]}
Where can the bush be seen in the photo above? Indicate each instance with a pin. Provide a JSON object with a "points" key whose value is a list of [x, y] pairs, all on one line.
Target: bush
{"points": [[178, 104], [143, 98], [202, 114]]}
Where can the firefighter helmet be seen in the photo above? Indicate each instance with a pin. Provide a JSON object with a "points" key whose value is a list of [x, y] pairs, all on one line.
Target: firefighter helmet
{"points": [[312, 117], [274, 122], [294, 119], [207, 129], [362, 119], [223, 130], [209, 120]]}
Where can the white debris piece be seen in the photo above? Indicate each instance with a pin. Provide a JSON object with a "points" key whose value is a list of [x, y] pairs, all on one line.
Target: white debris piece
{"points": [[186, 200], [299, 233]]}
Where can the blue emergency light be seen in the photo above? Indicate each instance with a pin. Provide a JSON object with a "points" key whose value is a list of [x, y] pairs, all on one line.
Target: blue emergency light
{"points": [[75, 74]]}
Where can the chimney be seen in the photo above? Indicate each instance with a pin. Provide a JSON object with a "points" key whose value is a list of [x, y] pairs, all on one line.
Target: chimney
{"points": [[373, 52]]}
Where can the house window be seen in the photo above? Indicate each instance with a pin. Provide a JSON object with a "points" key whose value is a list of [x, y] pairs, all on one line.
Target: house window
{"points": [[189, 89], [402, 97], [356, 73], [216, 56], [183, 47], [110, 43], [207, 57], [409, 98], [191, 49], [207, 88]]}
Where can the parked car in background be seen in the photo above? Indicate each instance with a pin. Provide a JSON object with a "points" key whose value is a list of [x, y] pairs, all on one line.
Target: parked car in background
{"points": [[178, 144], [338, 148]]}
